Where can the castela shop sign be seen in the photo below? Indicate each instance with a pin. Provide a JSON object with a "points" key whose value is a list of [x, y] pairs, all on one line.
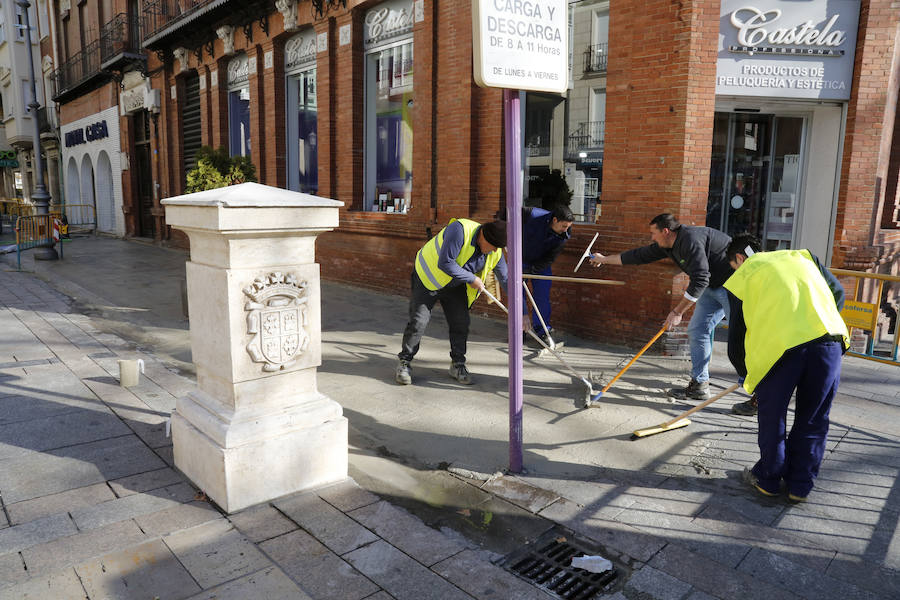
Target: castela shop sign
{"points": [[787, 49], [89, 133]]}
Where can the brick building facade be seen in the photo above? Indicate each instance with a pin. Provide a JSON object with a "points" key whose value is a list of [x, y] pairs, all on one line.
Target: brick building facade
{"points": [[285, 82]]}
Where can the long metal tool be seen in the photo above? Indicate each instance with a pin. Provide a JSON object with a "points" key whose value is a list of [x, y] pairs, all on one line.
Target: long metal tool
{"points": [[625, 368], [575, 279], [682, 420], [587, 252], [589, 392], [537, 311]]}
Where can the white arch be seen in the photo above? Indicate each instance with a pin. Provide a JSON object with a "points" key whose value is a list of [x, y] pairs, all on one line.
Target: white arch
{"points": [[87, 182], [106, 215], [73, 189]]}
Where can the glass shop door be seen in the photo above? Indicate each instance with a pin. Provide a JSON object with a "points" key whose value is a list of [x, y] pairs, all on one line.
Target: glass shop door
{"points": [[754, 182]]}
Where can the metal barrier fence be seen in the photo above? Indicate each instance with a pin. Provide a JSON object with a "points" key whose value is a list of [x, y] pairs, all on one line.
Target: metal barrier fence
{"points": [[33, 231], [76, 218], [864, 315]]}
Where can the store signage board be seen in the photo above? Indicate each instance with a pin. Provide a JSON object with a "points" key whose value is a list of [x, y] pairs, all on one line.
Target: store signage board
{"points": [[521, 44], [781, 49]]}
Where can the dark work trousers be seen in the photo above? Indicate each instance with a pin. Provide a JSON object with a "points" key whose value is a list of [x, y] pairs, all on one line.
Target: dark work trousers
{"points": [[456, 311], [540, 289], [814, 370]]}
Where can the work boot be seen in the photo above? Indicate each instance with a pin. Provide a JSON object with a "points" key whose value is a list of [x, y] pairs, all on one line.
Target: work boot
{"points": [[695, 390], [459, 372], [748, 408], [402, 375]]}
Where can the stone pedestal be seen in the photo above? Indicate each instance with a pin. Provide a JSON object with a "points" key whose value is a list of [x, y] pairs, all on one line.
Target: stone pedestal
{"points": [[258, 428]]}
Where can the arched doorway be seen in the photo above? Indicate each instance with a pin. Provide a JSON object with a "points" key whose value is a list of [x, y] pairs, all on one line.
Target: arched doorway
{"points": [[87, 187], [106, 216], [73, 191]]}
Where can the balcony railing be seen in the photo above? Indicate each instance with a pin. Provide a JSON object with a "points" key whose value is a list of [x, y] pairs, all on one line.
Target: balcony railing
{"points": [[158, 14], [121, 37], [588, 136], [83, 65], [595, 58]]}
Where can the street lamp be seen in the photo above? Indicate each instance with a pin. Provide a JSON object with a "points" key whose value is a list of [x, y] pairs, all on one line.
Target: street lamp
{"points": [[39, 195]]}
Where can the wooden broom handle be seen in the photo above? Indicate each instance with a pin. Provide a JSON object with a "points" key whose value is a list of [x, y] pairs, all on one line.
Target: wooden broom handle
{"points": [[701, 406]]}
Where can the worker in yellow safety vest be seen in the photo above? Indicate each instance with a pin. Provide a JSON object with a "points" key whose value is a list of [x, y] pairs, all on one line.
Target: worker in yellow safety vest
{"points": [[450, 268], [786, 334]]}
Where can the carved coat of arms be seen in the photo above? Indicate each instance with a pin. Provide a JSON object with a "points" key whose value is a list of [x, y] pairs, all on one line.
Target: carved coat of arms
{"points": [[278, 319]]}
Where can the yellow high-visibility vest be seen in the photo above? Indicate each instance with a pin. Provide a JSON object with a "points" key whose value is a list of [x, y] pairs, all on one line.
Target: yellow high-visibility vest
{"points": [[427, 259], [786, 303]]}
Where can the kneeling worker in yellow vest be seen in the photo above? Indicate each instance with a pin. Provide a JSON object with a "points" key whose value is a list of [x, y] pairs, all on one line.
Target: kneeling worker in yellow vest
{"points": [[785, 333], [450, 268]]}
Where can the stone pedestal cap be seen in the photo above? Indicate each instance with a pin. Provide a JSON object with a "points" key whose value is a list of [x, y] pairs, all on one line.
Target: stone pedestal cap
{"points": [[251, 207]]}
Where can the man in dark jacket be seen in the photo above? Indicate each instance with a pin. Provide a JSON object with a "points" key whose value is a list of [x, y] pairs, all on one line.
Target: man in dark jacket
{"points": [[699, 252], [544, 233]]}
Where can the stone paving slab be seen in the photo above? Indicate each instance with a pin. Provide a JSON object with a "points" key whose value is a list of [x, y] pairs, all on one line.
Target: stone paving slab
{"points": [[472, 572], [346, 496], [129, 507], [64, 585], [145, 482], [330, 526], [400, 576], [714, 578], [407, 533], [787, 544], [261, 523], [148, 570], [611, 534], [75, 427], [700, 537], [16, 408], [267, 584], [530, 498], [866, 575], [649, 582], [215, 552], [75, 549], [33, 533], [181, 516], [802, 581], [70, 500], [317, 570], [42, 474]]}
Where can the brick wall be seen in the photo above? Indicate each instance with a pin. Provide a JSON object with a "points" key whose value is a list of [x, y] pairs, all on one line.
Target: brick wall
{"points": [[659, 120], [870, 125]]}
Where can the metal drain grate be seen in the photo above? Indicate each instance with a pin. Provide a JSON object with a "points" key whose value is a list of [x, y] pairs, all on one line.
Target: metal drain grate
{"points": [[546, 563]]}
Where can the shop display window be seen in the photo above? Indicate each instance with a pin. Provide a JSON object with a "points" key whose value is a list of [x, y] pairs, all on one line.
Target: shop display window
{"points": [[303, 125], [239, 122], [389, 129]]}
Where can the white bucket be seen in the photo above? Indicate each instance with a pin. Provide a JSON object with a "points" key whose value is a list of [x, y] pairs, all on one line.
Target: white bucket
{"points": [[130, 372]]}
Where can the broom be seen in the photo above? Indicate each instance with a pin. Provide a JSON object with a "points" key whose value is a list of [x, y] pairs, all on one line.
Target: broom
{"points": [[625, 368], [682, 420]]}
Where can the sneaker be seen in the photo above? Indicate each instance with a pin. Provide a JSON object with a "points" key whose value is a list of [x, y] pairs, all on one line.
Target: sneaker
{"points": [[459, 372], [752, 480], [402, 375], [695, 390], [748, 408]]}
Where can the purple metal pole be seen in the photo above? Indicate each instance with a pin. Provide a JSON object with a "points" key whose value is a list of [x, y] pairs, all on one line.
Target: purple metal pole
{"points": [[513, 137]]}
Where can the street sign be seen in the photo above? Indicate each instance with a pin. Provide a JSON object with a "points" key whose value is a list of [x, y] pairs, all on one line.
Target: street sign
{"points": [[11, 163], [521, 44]]}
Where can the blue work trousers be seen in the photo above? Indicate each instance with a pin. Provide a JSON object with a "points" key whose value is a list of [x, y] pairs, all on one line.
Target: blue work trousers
{"points": [[814, 370], [709, 310], [540, 290]]}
